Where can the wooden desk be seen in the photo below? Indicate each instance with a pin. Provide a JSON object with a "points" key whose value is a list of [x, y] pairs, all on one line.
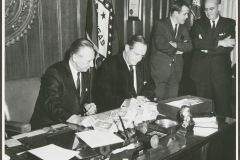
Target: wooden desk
{"points": [[178, 147]]}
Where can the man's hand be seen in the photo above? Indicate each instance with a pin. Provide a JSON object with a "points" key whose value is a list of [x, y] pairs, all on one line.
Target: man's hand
{"points": [[75, 119], [141, 100], [91, 108], [173, 44], [179, 52], [204, 51], [227, 42], [130, 102]]}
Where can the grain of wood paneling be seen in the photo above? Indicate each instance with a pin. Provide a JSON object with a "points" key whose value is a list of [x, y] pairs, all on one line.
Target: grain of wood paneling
{"points": [[83, 14], [50, 32], [68, 23], [34, 51]]}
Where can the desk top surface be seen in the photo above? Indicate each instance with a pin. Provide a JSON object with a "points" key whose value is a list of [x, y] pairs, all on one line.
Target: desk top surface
{"points": [[170, 146]]}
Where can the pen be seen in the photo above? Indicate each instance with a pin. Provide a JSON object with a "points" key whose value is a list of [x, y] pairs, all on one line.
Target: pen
{"points": [[124, 129]]}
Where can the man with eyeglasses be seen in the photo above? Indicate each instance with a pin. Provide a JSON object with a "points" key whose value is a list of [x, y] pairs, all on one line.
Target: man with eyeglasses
{"points": [[213, 40], [170, 38], [124, 79]]}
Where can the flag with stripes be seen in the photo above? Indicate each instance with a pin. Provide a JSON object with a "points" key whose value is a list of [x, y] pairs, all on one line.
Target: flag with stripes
{"points": [[99, 27]]}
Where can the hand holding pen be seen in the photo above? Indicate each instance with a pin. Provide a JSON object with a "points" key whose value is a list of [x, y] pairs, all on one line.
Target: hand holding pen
{"points": [[90, 109]]}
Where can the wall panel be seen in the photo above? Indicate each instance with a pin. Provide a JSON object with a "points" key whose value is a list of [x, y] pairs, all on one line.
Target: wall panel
{"points": [[58, 24]]}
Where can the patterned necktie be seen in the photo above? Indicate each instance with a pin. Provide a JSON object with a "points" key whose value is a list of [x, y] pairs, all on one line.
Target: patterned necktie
{"points": [[78, 83], [175, 30]]}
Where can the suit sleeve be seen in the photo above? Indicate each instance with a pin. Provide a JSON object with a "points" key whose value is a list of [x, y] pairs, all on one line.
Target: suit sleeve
{"points": [[230, 31], [210, 44], [148, 90], [185, 44], [106, 85], [160, 41], [52, 92]]}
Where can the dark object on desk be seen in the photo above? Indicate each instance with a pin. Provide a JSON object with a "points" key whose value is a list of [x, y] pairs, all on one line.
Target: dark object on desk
{"points": [[129, 153], [87, 153], [166, 126], [198, 110], [62, 137], [15, 127], [187, 123]]}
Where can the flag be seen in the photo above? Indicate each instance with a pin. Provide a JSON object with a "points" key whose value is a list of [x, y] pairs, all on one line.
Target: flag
{"points": [[100, 28], [195, 10]]}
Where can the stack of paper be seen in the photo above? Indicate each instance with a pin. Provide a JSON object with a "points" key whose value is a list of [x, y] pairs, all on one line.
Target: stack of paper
{"points": [[96, 138], [52, 151], [206, 122], [203, 132], [205, 126]]}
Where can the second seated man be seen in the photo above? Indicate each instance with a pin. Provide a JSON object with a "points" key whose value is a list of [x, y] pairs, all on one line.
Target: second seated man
{"points": [[125, 79], [170, 38]]}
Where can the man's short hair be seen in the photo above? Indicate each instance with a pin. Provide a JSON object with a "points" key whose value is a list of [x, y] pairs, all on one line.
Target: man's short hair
{"points": [[177, 6], [134, 39], [76, 45], [217, 1]]}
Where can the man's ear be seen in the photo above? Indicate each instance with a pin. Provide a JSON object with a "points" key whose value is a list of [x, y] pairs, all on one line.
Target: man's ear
{"points": [[219, 7], [127, 47], [74, 58]]}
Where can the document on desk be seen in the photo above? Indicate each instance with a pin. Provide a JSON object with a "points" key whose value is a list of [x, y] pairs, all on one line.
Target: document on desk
{"points": [[29, 134], [52, 151], [203, 132], [185, 102], [95, 138]]}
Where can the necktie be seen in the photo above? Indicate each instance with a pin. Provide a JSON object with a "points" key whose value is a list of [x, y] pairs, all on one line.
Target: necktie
{"points": [[131, 73], [175, 30], [78, 83], [213, 27]]}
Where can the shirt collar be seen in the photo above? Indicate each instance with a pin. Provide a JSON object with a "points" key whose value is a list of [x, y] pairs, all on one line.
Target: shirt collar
{"points": [[74, 72], [173, 23], [216, 21]]}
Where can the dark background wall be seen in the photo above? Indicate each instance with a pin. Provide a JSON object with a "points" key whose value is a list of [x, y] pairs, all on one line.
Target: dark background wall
{"points": [[59, 22]]}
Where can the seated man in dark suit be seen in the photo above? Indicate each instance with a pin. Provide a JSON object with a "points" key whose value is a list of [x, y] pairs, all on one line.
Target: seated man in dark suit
{"points": [[125, 78], [65, 88]]}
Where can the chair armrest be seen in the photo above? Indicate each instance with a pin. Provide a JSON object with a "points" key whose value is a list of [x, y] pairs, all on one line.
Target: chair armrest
{"points": [[17, 127]]}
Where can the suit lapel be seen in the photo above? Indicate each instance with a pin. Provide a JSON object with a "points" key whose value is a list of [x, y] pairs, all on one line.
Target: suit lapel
{"points": [[218, 27], [139, 77], [170, 26], [70, 77], [124, 71]]}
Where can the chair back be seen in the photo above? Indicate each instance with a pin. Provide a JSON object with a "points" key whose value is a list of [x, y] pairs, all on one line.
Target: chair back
{"points": [[20, 98]]}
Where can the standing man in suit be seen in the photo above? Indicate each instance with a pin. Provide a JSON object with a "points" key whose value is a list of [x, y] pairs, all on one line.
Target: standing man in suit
{"points": [[125, 78], [65, 88], [213, 40], [170, 38]]}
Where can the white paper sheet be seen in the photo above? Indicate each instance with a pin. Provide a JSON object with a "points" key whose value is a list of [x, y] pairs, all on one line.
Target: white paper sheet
{"points": [[204, 132], [96, 138], [51, 152], [185, 102]]}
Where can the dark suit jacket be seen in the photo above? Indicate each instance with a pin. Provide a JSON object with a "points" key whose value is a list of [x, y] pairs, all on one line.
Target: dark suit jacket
{"points": [[115, 84], [58, 98], [162, 53], [217, 60]]}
